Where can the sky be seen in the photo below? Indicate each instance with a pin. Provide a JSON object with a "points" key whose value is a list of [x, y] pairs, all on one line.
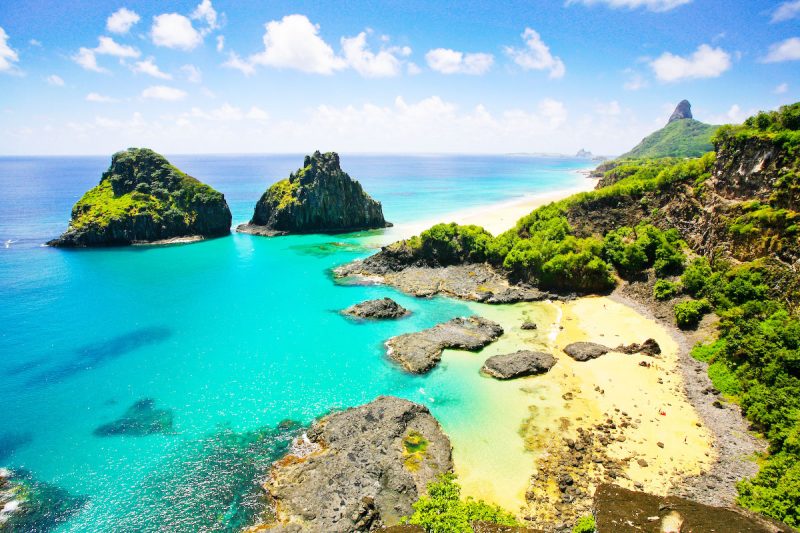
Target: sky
{"points": [[232, 76]]}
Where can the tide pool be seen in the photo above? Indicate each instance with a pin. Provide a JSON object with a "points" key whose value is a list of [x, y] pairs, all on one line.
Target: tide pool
{"points": [[233, 335]]}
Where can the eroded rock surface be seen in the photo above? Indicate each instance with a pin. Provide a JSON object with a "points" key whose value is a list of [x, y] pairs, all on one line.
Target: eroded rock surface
{"points": [[420, 351], [518, 364], [381, 308], [584, 351], [359, 469]]}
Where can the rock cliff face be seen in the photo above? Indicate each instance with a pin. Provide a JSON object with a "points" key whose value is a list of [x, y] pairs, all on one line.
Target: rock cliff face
{"points": [[359, 469], [318, 198], [682, 111], [142, 198]]}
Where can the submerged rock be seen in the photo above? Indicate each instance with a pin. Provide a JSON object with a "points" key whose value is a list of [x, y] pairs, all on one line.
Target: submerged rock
{"points": [[142, 198], [318, 198], [584, 351], [618, 510], [359, 469], [141, 419], [30, 505], [420, 351], [518, 364], [380, 308]]}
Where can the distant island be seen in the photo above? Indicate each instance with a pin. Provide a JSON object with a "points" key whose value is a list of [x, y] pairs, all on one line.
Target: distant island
{"points": [[143, 199], [318, 198]]}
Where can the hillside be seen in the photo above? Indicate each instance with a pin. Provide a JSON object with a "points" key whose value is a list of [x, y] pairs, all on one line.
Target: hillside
{"points": [[680, 138]]}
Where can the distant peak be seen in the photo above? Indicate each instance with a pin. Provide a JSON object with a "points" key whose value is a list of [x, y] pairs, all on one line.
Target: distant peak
{"points": [[684, 110]]}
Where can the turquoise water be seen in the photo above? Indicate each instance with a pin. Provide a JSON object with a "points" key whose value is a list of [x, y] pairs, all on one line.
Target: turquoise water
{"points": [[233, 335]]}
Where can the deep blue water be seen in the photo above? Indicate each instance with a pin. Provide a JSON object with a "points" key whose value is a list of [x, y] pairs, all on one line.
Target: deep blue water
{"points": [[232, 335]]}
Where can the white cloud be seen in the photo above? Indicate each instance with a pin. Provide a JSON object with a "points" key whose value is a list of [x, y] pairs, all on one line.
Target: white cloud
{"points": [[149, 67], [787, 11], [536, 55], [370, 64], [35, 42], [8, 56], [162, 92], [413, 69], [85, 58], [788, 50], [256, 113], [107, 46], [705, 62], [449, 61], [294, 42], [220, 43], [55, 80], [206, 12], [635, 81], [237, 63], [122, 20], [227, 113], [781, 89], [99, 98], [175, 31], [193, 74], [651, 5], [608, 108]]}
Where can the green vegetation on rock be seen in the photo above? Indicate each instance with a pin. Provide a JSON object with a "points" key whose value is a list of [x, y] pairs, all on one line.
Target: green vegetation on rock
{"points": [[443, 510], [143, 198], [585, 524]]}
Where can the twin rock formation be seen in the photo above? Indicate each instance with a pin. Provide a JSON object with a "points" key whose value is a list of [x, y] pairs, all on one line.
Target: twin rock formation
{"points": [[143, 199]]}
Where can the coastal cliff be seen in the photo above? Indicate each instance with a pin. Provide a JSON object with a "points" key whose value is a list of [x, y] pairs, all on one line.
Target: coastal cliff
{"points": [[142, 198], [318, 198]]}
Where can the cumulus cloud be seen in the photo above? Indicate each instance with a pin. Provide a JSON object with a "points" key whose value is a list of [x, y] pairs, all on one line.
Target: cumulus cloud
{"points": [[206, 12], [787, 11], [149, 67], [122, 20], [237, 63], [371, 64], [536, 55], [705, 62], [8, 56], [657, 6], [192, 73], [162, 92], [449, 61], [220, 43], [227, 113], [788, 50], [173, 30], [55, 80], [100, 98], [87, 57], [294, 43]]}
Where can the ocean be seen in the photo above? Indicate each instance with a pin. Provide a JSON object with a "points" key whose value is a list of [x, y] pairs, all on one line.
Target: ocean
{"points": [[229, 338]]}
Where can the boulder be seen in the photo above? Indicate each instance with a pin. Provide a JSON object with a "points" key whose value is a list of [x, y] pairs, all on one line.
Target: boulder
{"points": [[518, 364], [584, 351], [420, 351], [360, 469], [619, 510], [380, 309], [142, 198], [529, 325], [318, 198], [649, 347]]}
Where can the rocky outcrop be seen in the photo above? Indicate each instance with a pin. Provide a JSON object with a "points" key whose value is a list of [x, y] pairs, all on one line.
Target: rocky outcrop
{"points": [[682, 111], [142, 198], [319, 198], [27, 504], [477, 282], [518, 364], [620, 510], [421, 351], [359, 469], [381, 308], [584, 351]]}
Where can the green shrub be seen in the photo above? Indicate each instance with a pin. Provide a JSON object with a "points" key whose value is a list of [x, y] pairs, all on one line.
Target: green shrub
{"points": [[585, 524], [665, 290], [443, 511], [696, 276], [688, 314]]}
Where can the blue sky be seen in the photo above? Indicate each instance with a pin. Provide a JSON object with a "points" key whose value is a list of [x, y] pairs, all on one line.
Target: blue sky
{"points": [[92, 77]]}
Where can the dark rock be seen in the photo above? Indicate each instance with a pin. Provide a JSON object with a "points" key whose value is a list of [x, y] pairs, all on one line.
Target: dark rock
{"points": [[141, 419], [648, 347], [318, 198], [420, 351], [518, 364], [362, 468], [529, 325], [142, 198], [682, 111], [619, 510], [584, 351], [380, 308], [27, 504]]}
